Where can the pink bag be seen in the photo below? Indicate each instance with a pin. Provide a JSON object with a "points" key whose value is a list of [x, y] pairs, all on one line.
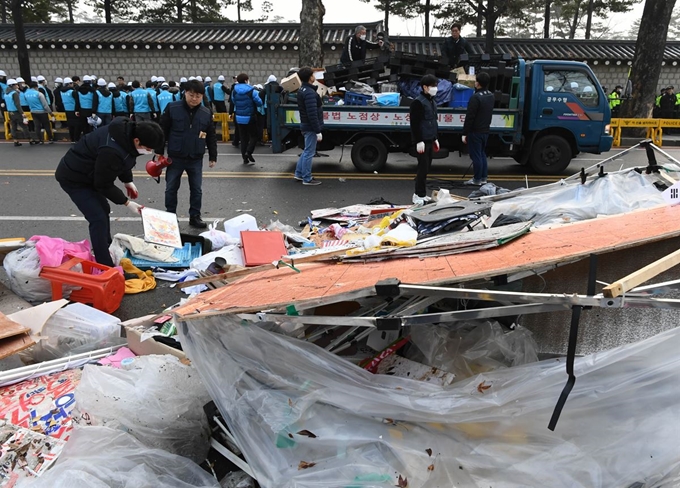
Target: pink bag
{"points": [[54, 251]]}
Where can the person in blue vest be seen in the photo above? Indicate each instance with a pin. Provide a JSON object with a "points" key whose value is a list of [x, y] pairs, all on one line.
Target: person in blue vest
{"points": [[70, 103], [220, 90], [89, 170], [87, 102], [120, 104], [423, 121], [24, 103], [104, 102], [140, 103], [189, 129], [44, 89], [167, 95], [3, 90], [41, 113], [208, 99], [151, 89], [246, 100], [17, 119]]}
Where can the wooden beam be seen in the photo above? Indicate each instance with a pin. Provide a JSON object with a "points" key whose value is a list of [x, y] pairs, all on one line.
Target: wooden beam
{"points": [[638, 277]]}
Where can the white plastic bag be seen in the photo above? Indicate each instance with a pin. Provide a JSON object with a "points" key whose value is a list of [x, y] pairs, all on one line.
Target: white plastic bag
{"points": [[218, 238], [160, 403], [100, 457], [233, 254], [23, 270]]}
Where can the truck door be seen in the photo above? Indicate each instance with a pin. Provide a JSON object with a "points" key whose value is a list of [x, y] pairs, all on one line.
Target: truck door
{"points": [[571, 98]]}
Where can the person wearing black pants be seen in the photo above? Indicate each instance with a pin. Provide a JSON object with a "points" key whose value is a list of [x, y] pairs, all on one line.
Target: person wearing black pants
{"points": [[189, 129], [89, 170], [423, 121], [246, 100], [476, 128]]}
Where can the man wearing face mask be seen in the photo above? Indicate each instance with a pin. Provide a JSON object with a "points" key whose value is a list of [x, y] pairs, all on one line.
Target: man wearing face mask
{"points": [[89, 170], [423, 120], [356, 45]]}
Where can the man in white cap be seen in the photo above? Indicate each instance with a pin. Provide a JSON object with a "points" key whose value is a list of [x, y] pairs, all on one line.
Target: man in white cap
{"points": [[22, 97], [104, 102], [3, 89], [208, 97], [220, 92], [17, 118], [182, 81], [47, 93], [67, 99], [86, 102]]}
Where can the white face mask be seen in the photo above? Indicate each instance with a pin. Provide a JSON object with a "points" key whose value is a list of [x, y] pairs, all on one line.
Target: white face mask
{"points": [[363, 37], [143, 150], [432, 91]]}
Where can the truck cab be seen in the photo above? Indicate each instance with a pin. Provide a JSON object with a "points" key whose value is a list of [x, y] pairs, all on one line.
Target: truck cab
{"points": [[566, 112]]}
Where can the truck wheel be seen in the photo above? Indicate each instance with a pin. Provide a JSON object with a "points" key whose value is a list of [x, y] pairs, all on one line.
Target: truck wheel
{"points": [[369, 154], [550, 155]]}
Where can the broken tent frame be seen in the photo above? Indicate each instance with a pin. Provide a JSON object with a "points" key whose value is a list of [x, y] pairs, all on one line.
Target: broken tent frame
{"points": [[416, 298]]}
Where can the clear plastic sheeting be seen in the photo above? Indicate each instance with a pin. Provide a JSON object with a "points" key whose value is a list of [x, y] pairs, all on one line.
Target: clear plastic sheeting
{"points": [[613, 194], [306, 418], [100, 457], [160, 402], [470, 348]]}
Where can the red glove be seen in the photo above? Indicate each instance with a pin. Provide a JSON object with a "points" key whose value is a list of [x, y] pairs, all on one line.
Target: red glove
{"points": [[436, 145], [131, 191]]}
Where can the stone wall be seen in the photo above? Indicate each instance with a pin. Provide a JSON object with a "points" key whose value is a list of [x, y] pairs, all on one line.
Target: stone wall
{"points": [[612, 75], [172, 64]]}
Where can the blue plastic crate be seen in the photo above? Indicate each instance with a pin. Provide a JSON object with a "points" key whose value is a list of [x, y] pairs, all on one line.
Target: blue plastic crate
{"points": [[461, 96], [357, 99], [188, 253]]}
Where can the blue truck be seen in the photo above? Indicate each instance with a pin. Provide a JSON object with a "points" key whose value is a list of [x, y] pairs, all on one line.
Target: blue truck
{"points": [[556, 109]]}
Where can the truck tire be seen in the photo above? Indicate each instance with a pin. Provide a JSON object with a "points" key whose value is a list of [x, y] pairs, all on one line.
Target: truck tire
{"points": [[550, 155], [369, 154]]}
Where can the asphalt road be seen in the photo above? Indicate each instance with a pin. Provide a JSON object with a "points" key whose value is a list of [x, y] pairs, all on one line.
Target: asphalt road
{"points": [[34, 204]]}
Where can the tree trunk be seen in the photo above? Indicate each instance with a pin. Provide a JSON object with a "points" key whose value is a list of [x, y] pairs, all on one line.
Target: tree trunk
{"points": [[193, 11], [22, 48], [107, 10], [238, 10], [490, 25], [480, 17], [589, 21], [546, 20], [69, 6], [574, 23], [649, 50], [3, 11], [386, 6], [180, 11], [427, 18], [311, 33]]}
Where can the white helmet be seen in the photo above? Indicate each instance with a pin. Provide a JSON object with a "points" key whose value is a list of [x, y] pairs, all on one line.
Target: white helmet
{"points": [[111, 85], [11, 82], [160, 79], [41, 78], [183, 79], [101, 82], [86, 78], [154, 78], [192, 78], [208, 79], [220, 78], [34, 78], [67, 81], [58, 80], [165, 85], [2, 73], [199, 78], [20, 79]]}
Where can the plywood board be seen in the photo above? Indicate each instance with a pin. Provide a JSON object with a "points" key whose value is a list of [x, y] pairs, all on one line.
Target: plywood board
{"points": [[9, 327], [535, 250], [13, 345]]}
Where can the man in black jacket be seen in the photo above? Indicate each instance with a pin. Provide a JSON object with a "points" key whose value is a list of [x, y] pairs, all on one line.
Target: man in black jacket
{"points": [[423, 121], [89, 170], [454, 46], [311, 125], [188, 128], [476, 128], [356, 45]]}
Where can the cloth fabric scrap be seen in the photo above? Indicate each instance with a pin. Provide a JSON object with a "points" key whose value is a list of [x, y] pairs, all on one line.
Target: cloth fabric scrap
{"points": [[144, 282], [139, 248]]}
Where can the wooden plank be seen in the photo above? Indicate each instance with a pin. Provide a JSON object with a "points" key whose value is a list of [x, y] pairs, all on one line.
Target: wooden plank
{"points": [[536, 250], [638, 277], [13, 345], [9, 327]]}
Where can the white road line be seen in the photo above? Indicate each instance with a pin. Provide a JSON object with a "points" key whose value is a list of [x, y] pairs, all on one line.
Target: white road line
{"points": [[10, 218]]}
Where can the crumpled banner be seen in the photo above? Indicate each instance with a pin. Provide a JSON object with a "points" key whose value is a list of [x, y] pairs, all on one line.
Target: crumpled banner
{"points": [[54, 251]]}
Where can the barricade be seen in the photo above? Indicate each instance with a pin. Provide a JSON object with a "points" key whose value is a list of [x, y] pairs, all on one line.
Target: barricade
{"points": [[652, 126]]}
